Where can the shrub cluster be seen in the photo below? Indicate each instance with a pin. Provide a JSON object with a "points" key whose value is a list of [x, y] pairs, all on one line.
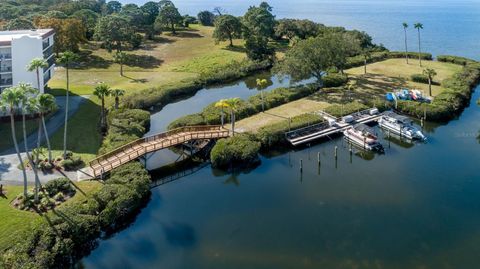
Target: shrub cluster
{"points": [[212, 114], [359, 60], [420, 78], [454, 59], [411, 55], [334, 80], [73, 230], [449, 103], [240, 149], [160, 97], [125, 125]]}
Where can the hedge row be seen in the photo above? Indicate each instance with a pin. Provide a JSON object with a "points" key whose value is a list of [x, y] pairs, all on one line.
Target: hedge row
{"points": [[454, 59], [73, 230], [451, 101], [246, 108], [359, 60], [419, 78], [411, 55], [160, 97]]}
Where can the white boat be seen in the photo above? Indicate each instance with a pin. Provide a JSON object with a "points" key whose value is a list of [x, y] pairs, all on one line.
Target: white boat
{"points": [[364, 137], [400, 125]]}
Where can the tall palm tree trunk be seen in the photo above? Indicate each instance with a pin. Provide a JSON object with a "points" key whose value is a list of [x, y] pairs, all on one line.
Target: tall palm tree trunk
{"points": [[14, 137], [406, 45], [222, 119], [45, 131], [117, 101], [39, 139], [419, 49], [103, 114], [430, 86], [66, 116], [233, 122], [38, 78], [30, 158], [365, 66]]}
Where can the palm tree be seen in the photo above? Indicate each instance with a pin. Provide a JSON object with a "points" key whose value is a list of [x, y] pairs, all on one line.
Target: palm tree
{"points": [[261, 85], [117, 93], [419, 26], [46, 104], [35, 65], [232, 104], [11, 99], [367, 54], [405, 26], [120, 58], [29, 106], [66, 59], [101, 91], [221, 104], [430, 73]]}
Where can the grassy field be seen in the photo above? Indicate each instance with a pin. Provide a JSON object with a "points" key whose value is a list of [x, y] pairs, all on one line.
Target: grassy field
{"points": [[165, 61], [16, 222], [381, 77]]}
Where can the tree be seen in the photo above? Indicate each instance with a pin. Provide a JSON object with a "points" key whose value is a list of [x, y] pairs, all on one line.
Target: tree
{"points": [[419, 26], [117, 93], [18, 24], [88, 19], [113, 30], [36, 65], [206, 18], [430, 74], [296, 29], [232, 104], [311, 57], [113, 7], [405, 26], [258, 28], [66, 59], [69, 33], [135, 14], [367, 54], [120, 58], [10, 101], [151, 10], [101, 91], [227, 27], [222, 105], [261, 85], [46, 104], [168, 17], [29, 106]]}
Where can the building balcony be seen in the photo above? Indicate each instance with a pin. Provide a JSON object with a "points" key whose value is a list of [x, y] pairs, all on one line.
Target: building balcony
{"points": [[5, 69], [50, 62], [5, 57], [48, 52], [6, 82], [46, 43]]}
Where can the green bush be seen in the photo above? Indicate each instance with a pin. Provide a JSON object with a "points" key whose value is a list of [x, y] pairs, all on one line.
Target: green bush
{"points": [[62, 185], [240, 149], [334, 80], [345, 109], [359, 60], [454, 59], [232, 71], [72, 164], [420, 78], [411, 55]]}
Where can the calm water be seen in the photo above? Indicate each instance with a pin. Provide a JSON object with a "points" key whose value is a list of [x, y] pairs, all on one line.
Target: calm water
{"points": [[416, 206], [451, 26]]}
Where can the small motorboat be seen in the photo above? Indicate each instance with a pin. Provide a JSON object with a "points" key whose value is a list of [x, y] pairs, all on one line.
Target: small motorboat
{"points": [[400, 125], [364, 137]]}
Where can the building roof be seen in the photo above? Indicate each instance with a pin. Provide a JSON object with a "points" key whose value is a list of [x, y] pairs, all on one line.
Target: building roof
{"points": [[6, 37]]}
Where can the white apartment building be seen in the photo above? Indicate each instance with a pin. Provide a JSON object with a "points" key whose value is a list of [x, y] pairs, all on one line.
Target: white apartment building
{"points": [[17, 49]]}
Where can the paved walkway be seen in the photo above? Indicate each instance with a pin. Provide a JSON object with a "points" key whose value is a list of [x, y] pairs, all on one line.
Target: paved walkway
{"points": [[9, 172]]}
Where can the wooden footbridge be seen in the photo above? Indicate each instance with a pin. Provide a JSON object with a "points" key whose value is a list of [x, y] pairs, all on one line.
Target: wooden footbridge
{"points": [[143, 146]]}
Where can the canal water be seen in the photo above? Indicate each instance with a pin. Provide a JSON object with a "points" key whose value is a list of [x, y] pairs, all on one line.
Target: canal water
{"points": [[242, 89], [416, 206]]}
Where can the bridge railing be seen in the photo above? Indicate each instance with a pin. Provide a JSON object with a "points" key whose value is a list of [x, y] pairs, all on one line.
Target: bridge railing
{"points": [[140, 141]]}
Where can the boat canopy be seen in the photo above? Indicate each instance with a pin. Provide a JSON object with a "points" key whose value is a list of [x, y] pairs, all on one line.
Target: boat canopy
{"points": [[397, 117], [364, 128]]}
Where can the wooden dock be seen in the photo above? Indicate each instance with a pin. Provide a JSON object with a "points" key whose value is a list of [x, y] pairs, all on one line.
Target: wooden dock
{"points": [[142, 146], [331, 126]]}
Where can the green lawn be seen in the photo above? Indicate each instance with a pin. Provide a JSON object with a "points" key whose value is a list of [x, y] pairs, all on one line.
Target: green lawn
{"points": [[14, 223], [165, 61]]}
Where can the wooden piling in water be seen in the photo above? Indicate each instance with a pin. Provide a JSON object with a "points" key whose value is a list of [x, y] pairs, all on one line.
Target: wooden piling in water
{"points": [[336, 152], [301, 165]]}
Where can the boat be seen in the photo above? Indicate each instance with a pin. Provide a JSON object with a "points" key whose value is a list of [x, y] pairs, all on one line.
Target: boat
{"points": [[364, 137], [400, 125]]}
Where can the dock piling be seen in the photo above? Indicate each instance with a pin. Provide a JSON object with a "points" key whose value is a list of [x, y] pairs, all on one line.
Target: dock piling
{"points": [[336, 152], [301, 165]]}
